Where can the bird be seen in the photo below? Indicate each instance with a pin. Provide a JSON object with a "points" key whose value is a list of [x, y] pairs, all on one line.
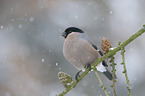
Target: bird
{"points": [[81, 52]]}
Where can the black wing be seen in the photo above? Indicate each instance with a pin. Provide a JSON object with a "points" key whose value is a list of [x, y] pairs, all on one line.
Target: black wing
{"points": [[103, 62]]}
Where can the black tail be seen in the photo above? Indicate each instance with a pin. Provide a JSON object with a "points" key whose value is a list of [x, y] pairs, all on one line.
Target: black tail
{"points": [[108, 74]]}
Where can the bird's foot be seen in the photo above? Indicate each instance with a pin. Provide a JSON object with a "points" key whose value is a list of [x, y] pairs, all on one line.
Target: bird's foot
{"points": [[89, 67], [77, 75]]}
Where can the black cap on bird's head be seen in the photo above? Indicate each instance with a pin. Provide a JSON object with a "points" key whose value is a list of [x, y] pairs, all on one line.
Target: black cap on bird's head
{"points": [[70, 30]]}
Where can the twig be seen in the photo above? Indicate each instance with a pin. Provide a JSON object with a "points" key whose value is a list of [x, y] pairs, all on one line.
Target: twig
{"points": [[110, 53], [125, 71], [114, 75], [102, 85]]}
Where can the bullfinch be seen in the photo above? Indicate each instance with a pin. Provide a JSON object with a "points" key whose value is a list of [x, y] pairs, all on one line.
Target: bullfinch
{"points": [[80, 52]]}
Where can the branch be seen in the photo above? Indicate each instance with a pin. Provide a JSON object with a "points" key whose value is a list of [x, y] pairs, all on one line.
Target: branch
{"points": [[114, 75], [125, 71], [102, 85], [109, 54]]}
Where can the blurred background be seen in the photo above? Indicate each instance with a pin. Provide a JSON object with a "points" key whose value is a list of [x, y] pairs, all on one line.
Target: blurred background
{"points": [[31, 44]]}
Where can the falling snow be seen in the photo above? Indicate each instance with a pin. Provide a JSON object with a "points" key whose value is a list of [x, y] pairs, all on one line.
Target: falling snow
{"points": [[59, 69], [12, 8], [25, 14], [42, 60], [2, 27], [13, 19], [20, 26], [76, 17], [56, 64], [31, 19], [95, 18], [110, 12], [60, 30], [49, 65], [135, 79], [41, 7], [17, 22]]}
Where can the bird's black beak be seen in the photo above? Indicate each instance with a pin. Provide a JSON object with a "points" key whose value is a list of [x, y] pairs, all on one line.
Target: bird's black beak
{"points": [[64, 34]]}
